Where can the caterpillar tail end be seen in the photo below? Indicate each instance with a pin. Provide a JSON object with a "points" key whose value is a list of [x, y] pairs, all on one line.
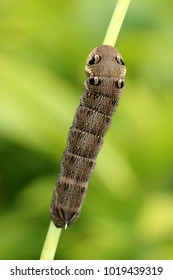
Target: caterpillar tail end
{"points": [[66, 225]]}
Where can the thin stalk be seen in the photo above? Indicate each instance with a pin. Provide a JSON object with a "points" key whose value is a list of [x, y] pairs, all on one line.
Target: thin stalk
{"points": [[50, 243], [53, 234], [116, 22]]}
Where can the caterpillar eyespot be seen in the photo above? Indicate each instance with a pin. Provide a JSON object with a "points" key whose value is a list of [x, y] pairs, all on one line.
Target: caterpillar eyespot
{"points": [[105, 70], [95, 59], [119, 60], [94, 81], [119, 84]]}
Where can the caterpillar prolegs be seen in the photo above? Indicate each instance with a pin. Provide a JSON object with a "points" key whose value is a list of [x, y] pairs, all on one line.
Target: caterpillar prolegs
{"points": [[105, 71]]}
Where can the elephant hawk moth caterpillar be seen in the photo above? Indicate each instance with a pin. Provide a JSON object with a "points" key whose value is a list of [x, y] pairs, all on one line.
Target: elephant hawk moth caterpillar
{"points": [[105, 71]]}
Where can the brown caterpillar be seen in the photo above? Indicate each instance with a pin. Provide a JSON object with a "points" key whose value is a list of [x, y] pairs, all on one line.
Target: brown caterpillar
{"points": [[105, 72]]}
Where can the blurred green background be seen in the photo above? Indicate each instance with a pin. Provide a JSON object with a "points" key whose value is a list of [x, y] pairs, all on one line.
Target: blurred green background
{"points": [[128, 211]]}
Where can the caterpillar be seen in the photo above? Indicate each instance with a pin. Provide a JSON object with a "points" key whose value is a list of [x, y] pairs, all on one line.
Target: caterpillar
{"points": [[105, 71]]}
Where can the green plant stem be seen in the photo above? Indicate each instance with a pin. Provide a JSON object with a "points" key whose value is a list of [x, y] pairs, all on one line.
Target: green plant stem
{"points": [[51, 243], [116, 22], [53, 234]]}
